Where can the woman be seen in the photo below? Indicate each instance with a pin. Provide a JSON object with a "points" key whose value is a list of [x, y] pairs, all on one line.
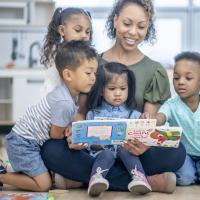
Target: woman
{"points": [[130, 23]]}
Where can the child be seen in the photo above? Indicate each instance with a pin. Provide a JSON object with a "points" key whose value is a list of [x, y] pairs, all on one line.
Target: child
{"points": [[76, 63], [113, 96], [184, 111], [66, 24]]}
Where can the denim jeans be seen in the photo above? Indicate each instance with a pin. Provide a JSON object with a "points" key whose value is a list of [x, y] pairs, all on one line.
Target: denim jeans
{"points": [[189, 173]]}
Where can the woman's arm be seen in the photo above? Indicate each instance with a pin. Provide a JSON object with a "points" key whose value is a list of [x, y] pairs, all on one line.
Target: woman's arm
{"points": [[151, 108]]}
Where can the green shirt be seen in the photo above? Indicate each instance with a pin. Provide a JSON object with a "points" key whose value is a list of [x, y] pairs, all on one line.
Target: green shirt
{"points": [[152, 83]]}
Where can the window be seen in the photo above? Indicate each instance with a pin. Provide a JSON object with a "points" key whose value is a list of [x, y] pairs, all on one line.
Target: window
{"points": [[171, 3], [100, 39], [169, 42], [197, 2], [85, 3]]}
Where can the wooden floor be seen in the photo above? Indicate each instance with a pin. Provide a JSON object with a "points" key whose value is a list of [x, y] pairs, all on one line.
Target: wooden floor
{"points": [[181, 193]]}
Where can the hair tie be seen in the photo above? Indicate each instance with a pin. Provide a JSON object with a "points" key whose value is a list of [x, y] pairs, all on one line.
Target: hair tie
{"points": [[60, 12]]}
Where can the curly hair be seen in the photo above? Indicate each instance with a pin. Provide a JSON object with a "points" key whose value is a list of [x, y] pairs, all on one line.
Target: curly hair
{"points": [[188, 55], [117, 8], [53, 37]]}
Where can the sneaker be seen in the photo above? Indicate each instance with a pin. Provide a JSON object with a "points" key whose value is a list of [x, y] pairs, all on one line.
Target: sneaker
{"points": [[165, 182], [139, 184], [2, 171], [98, 183]]}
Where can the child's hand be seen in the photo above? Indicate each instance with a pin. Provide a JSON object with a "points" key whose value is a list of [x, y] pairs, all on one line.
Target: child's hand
{"points": [[68, 130], [68, 134], [135, 147]]}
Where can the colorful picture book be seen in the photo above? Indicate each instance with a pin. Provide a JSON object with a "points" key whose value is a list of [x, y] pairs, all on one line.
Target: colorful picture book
{"points": [[106, 132], [25, 196]]}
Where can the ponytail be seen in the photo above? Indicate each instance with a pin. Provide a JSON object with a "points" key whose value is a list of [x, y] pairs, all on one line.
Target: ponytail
{"points": [[53, 39]]}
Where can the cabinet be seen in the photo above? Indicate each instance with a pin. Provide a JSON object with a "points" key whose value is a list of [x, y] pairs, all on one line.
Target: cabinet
{"points": [[18, 90], [41, 12], [23, 12], [5, 99], [13, 13]]}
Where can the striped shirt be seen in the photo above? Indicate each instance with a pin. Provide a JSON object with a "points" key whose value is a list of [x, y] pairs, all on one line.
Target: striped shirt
{"points": [[57, 108]]}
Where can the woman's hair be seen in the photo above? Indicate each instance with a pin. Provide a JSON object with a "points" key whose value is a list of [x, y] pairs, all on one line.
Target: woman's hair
{"points": [[105, 74], [72, 54], [188, 55], [53, 37], [117, 8]]}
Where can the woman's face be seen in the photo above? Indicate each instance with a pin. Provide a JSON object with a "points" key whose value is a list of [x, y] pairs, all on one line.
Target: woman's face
{"points": [[131, 26], [77, 27]]}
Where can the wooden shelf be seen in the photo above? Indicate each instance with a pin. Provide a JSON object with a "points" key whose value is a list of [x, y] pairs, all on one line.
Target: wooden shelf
{"points": [[5, 101], [6, 123]]}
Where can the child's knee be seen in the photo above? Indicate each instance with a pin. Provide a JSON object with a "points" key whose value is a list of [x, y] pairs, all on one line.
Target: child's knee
{"points": [[108, 155], [186, 179], [122, 151], [43, 182]]}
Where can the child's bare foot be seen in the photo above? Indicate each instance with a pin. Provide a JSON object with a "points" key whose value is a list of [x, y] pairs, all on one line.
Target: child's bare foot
{"points": [[63, 183]]}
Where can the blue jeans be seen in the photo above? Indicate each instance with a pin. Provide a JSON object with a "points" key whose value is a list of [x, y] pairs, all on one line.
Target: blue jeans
{"points": [[189, 173], [24, 155]]}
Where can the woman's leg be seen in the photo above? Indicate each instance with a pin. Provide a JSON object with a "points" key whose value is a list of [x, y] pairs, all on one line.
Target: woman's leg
{"points": [[71, 164], [159, 163], [77, 165], [163, 159]]}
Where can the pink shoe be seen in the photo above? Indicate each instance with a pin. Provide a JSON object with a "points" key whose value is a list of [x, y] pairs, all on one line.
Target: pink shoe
{"points": [[98, 183], [139, 184]]}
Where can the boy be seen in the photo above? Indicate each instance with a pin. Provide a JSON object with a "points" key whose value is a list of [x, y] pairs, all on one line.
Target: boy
{"points": [[184, 111], [76, 62]]}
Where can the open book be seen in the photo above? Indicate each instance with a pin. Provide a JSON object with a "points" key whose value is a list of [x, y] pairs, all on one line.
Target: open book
{"points": [[106, 132]]}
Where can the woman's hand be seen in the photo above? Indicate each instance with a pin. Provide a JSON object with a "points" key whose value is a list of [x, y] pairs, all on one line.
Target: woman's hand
{"points": [[145, 115], [135, 147], [68, 134]]}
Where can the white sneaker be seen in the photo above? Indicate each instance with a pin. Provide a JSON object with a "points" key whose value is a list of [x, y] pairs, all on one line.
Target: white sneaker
{"points": [[139, 184], [98, 183]]}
